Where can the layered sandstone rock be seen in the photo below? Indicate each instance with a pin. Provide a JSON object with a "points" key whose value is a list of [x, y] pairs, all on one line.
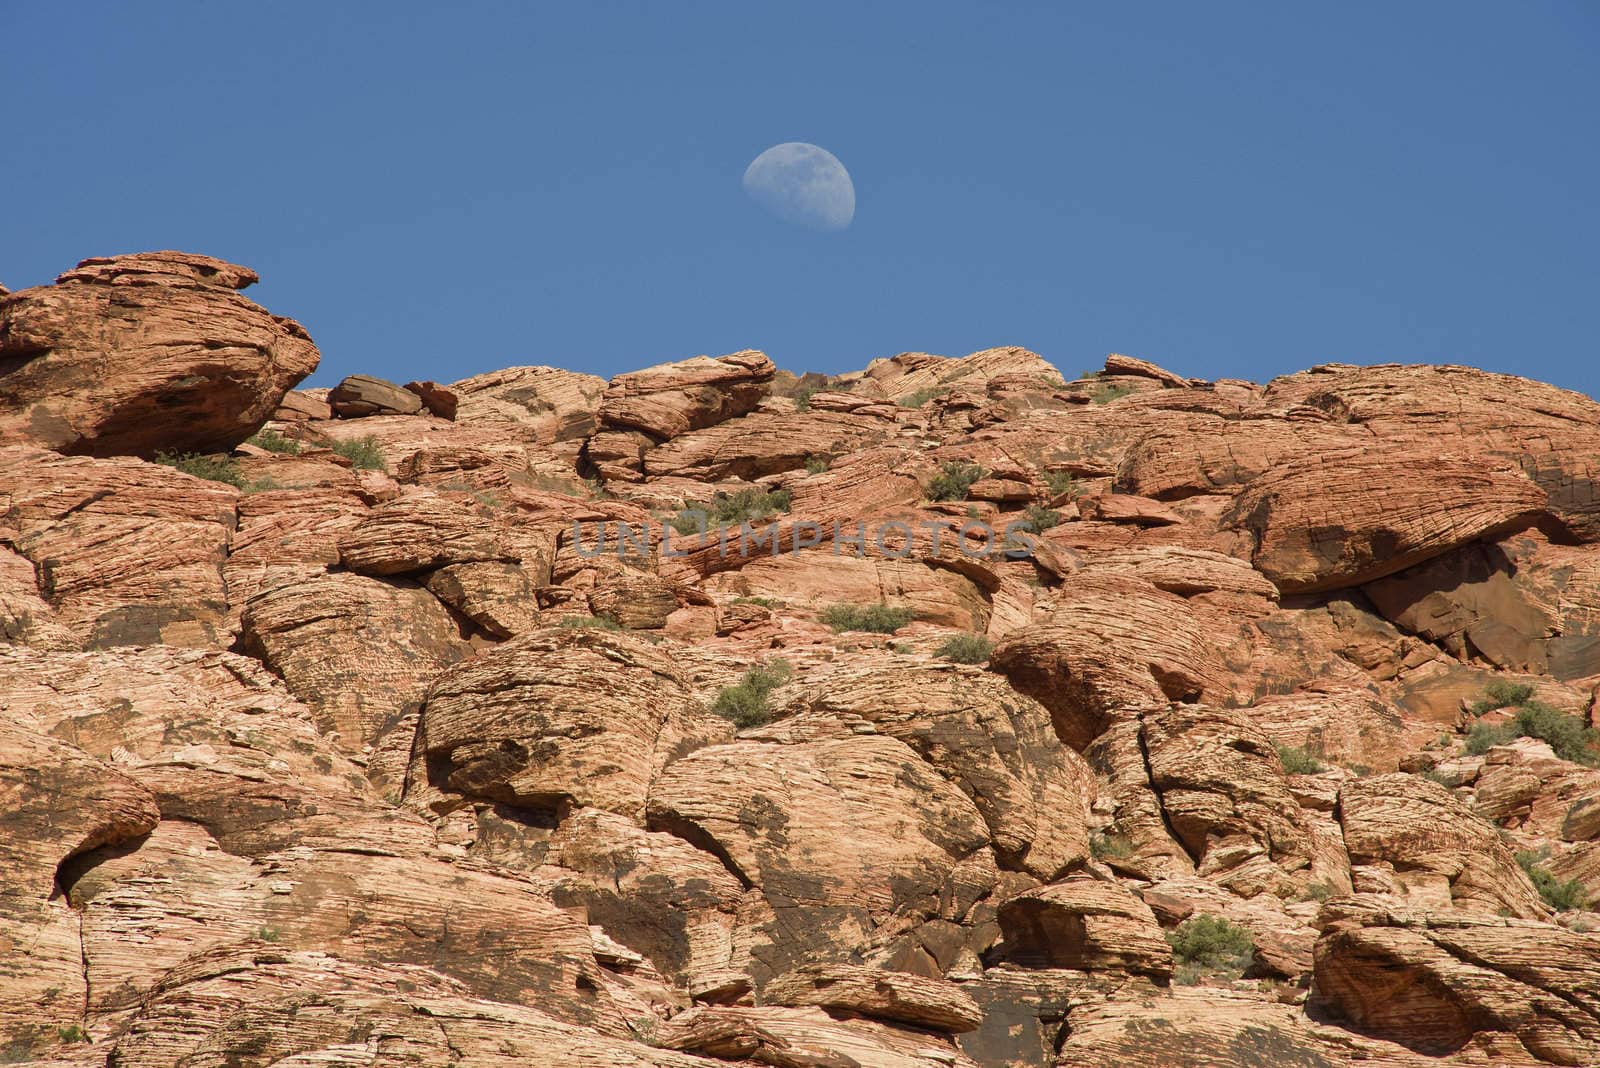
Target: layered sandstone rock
{"points": [[128, 355], [672, 399]]}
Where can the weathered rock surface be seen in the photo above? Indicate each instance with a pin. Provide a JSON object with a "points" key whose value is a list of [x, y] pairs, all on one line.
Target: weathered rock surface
{"points": [[389, 765], [672, 399], [127, 355]]}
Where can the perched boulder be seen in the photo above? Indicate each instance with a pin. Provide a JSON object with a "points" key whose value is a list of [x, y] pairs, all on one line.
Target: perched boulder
{"points": [[129, 355], [672, 399], [1086, 924], [362, 395], [884, 995]]}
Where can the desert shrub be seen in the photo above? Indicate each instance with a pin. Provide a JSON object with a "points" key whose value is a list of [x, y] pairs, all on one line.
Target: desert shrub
{"points": [[730, 509], [1484, 737], [802, 398], [363, 453], [273, 441], [816, 465], [1561, 895], [589, 623], [877, 618], [1212, 945], [922, 396], [72, 1033], [1085, 375], [1107, 394], [1298, 760], [1317, 892], [953, 481], [267, 934], [744, 704], [764, 602], [1108, 845], [1568, 736], [965, 649], [1501, 694], [210, 468], [1063, 482], [1037, 520]]}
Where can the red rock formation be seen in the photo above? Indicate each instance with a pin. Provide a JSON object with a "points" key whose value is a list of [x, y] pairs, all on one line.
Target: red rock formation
{"points": [[132, 354]]}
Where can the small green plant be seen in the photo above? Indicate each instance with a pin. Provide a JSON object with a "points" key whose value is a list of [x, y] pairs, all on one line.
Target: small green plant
{"points": [[953, 481], [1317, 892], [1108, 845], [1501, 694], [72, 1033], [1563, 896], [1037, 520], [1107, 394], [1297, 760], [267, 934], [589, 623], [922, 396], [273, 441], [802, 398], [873, 618], [764, 602], [1063, 482], [363, 453], [210, 468], [1084, 375], [965, 649], [1211, 945], [745, 703], [816, 465], [750, 505]]}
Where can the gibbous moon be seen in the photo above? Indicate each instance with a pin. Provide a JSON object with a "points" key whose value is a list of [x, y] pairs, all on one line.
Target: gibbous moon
{"points": [[802, 184]]}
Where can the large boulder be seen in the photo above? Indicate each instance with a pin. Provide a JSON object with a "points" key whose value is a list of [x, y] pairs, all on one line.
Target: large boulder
{"points": [[675, 398], [1347, 517], [134, 354]]}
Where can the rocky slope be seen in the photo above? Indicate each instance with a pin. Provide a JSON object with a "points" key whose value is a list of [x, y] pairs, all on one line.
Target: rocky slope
{"points": [[1264, 738]]}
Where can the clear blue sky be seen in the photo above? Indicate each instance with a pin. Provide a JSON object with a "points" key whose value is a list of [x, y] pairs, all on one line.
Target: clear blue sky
{"points": [[1227, 189]]}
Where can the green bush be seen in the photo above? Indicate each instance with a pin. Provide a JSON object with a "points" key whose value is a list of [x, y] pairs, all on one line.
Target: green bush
{"points": [[1037, 520], [589, 623], [1501, 694], [267, 934], [1484, 737], [273, 441], [764, 602], [953, 481], [1561, 896], [922, 396], [802, 397], [1085, 375], [363, 453], [1108, 845], [874, 618], [750, 505], [745, 704], [1107, 394], [816, 465], [210, 468], [1063, 482], [1298, 760], [1317, 892], [965, 649], [1568, 736], [72, 1033], [1212, 945]]}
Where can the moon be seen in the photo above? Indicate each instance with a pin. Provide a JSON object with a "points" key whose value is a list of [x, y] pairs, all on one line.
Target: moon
{"points": [[802, 184]]}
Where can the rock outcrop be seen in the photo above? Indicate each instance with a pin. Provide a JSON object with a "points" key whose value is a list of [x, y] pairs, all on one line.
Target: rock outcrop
{"points": [[1263, 737], [129, 355]]}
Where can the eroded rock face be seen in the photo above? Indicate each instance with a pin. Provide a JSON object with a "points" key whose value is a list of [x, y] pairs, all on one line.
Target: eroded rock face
{"points": [[131, 354], [1432, 981], [575, 717], [375, 766], [124, 552]]}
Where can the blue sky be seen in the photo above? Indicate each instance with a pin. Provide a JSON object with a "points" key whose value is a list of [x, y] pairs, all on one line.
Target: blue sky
{"points": [[1227, 189]]}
